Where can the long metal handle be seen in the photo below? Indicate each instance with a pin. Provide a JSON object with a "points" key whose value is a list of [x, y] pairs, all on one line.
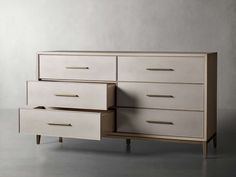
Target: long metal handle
{"points": [[160, 96], [160, 69], [74, 67], [56, 124], [66, 95], [159, 122]]}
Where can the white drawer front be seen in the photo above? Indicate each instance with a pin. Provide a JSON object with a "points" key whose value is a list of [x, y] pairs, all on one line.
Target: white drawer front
{"points": [[160, 122], [73, 124], [77, 67], [161, 69], [165, 96], [71, 95]]}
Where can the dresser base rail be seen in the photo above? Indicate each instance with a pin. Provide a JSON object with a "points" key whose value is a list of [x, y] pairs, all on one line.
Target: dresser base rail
{"points": [[134, 136], [129, 136]]}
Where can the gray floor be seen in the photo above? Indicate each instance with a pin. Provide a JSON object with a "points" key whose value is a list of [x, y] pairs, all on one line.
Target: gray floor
{"points": [[21, 157]]}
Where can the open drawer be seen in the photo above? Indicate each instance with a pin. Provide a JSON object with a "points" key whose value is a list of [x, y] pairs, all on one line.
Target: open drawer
{"points": [[66, 123], [96, 96]]}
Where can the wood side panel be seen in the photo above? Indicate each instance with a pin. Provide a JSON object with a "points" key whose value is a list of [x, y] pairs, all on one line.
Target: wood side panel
{"points": [[110, 95], [211, 94], [108, 122]]}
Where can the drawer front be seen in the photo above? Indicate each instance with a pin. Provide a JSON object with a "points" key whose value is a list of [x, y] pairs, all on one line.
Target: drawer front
{"points": [[77, 67], [160, 122], [74, 124], [71, 95], [161, 69], [156, 95]]}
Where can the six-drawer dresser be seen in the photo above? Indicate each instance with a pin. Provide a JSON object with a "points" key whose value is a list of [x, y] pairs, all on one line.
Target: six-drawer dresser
{"points": [[130, 95]]}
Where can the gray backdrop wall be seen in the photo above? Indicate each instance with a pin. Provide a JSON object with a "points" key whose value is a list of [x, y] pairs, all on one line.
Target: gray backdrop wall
{"points": [[28, 26]]}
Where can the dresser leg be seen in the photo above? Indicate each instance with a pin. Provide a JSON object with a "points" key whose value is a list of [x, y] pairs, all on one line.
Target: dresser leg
{"points": [[60, 139], [128, 142], [38, 138], [128, 145], [215, 141], [205, 148]]}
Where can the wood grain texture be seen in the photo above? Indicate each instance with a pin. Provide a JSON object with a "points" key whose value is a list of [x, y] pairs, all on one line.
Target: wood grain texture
{"points": [[211, 104], [111, 95]]}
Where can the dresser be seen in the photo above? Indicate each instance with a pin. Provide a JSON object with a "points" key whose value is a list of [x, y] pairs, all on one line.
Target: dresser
{"points": [[167, 96]]}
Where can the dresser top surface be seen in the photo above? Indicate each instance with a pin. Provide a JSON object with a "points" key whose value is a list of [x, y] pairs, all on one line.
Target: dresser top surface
{"points": [[124, 53]]}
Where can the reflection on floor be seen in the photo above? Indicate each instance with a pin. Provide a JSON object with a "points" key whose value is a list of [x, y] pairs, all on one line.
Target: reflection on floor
{"points": [[21, 157]]}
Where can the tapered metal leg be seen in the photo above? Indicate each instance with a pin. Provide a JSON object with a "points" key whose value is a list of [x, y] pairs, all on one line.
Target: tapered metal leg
{"points": [[38, 138], [60, 139], [205, 149], [215, 141], [128, 142], [128, 145]]}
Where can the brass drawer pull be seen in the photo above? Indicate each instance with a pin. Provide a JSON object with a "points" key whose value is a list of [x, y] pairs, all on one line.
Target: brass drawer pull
{"points": [[160, 96], [160, 69], [74, 67], [56, 124], [159, 122], [66, 95]]}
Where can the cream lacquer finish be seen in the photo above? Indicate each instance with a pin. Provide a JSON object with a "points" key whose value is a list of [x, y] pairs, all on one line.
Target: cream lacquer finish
{"points": [[73, 124]]}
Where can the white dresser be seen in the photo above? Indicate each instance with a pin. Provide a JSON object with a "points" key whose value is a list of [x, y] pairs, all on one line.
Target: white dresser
{"points": [[130, 95]]}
